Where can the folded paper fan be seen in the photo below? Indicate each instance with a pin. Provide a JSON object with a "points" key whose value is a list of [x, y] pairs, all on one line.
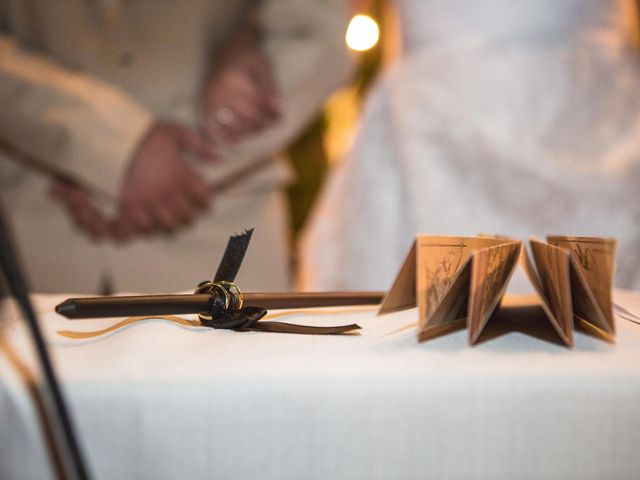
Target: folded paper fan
{"points": [[460, 281]]}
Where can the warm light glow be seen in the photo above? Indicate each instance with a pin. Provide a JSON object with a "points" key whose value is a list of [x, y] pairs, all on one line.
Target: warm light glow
{"points": [[342, 110], [363, 33]]}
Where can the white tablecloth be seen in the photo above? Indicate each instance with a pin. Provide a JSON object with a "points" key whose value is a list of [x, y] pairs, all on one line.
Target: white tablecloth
{"points": [[162, 401]]}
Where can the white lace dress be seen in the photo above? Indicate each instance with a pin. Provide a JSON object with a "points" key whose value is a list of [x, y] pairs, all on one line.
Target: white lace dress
{"points": [[512, 117]]}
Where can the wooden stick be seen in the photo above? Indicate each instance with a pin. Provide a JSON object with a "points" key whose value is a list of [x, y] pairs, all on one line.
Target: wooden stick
{"points": [[145, 305]]}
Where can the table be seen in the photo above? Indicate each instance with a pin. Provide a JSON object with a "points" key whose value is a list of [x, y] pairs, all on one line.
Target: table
{"points": [[163, 401]]}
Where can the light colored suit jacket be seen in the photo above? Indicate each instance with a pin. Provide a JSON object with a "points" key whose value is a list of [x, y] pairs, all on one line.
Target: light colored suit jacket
{"points": [[82, 80]]}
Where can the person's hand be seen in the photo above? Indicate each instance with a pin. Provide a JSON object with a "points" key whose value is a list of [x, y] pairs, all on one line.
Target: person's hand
{"points": [[240, 97], [80, 207], [161, 192]]}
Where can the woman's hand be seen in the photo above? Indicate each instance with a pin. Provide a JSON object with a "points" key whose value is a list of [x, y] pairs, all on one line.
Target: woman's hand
{"points": [[240, 97]]}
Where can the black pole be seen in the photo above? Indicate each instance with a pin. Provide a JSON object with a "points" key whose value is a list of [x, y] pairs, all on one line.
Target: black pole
{"points": [[74, 464]]}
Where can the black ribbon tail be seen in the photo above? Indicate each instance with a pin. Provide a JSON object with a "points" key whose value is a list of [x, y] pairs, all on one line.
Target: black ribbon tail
{"points": [[232, 257], [248, 319], [282, 327]]}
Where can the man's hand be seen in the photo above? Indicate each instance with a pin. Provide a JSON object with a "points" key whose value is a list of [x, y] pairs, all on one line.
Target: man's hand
{"points": [[80, 208], [240, 97], [161, 192]]}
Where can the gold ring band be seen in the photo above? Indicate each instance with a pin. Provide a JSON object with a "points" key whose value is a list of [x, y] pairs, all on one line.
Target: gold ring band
{"points": [[230, 291]]}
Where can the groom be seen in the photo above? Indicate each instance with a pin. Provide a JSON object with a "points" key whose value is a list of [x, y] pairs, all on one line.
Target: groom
{"points": [[155, 103]]}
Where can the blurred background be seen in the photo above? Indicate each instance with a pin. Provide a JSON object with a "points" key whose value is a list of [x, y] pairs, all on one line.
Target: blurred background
{"points": [[135, 137], [373, 36]]}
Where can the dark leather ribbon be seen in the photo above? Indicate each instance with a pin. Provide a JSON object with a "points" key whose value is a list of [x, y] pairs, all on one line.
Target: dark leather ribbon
{"points": [[248, 319], [226, 309], [233, 256]]}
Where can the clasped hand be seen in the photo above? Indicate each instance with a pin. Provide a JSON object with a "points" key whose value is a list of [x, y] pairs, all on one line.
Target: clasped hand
{"points": [[161, 192]]}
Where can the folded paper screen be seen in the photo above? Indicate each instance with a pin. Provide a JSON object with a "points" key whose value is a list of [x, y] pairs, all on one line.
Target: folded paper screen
{"points": [[461, 281]]}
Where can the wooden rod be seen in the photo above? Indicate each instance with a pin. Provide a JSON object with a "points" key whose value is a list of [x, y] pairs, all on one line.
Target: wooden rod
{"points": [[146, 305]]}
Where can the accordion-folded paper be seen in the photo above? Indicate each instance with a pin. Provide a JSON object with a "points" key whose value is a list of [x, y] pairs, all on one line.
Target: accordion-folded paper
{"points": [[460, 281]]}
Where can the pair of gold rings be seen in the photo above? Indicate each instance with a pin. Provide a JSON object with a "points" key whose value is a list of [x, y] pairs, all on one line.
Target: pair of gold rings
{"points": [[229, 292]]}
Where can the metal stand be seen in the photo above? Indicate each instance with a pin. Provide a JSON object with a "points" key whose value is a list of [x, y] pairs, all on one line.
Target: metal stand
{"points": [[73, 463]]}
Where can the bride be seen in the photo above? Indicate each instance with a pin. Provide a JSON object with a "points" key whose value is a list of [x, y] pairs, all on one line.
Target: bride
{"points": [[512, 117]]}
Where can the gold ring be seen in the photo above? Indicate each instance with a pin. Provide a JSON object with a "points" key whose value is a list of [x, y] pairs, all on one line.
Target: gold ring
{"points": [[234, 290], [208, 287]]}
